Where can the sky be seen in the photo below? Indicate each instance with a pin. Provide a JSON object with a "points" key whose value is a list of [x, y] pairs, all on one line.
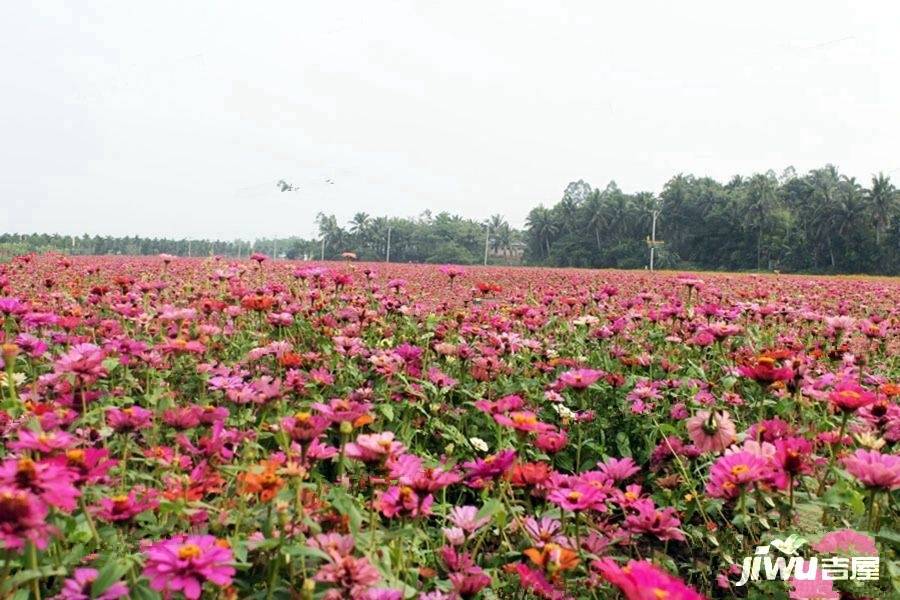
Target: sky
{"points": [[175, 119]]}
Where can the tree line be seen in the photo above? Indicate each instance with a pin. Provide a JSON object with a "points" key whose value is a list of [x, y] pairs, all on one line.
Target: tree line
{"points": [[819, 222]]}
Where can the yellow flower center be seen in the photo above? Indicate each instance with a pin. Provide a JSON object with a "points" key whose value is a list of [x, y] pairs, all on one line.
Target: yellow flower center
{"points": [[739, 470], [75, 456], [189, 551]]}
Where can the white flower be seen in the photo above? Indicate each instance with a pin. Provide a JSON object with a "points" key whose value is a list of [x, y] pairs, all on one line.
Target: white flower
{"points": [[18, 378], [563, 411], [479, 444], [586, 320]]}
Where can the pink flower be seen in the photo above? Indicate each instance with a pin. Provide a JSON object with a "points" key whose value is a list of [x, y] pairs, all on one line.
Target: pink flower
{"points": [[403, 501], [711, 431], [846, 542], [78, 587], [577, 498], [522, 421], [85, 361], [534, 580], [127, 506], [375, 447], [334, 545], [183, 563], [45, 442], [732, 472], [579, 379], [818, 588], [874, 469], [793, 457], [618, 469], [641, 580], [480, 471], [543, 531], [304, 426], [52, 483], [848, 396], [466, 518], [351, 576], [647, 518], [132, 418], [22, 516], [551, 442]]}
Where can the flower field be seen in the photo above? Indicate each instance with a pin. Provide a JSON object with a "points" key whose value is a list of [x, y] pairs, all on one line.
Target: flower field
{"points": [[209, 428]]}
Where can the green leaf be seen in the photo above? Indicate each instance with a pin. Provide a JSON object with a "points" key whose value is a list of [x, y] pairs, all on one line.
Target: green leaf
{"points": [[387, 411], [111, 572]]}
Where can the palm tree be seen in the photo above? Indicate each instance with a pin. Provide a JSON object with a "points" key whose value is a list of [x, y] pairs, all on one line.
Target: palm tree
{"points": [[760, 203], [496, 224], [599, 218], [882, 200], [542, 226]]}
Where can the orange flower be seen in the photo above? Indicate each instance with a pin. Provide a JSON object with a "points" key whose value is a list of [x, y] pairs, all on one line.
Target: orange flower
{"points": [[553, 558], [265, 483]]}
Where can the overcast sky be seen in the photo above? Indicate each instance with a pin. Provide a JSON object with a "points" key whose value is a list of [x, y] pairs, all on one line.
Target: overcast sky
{"points": [[176, 118]]}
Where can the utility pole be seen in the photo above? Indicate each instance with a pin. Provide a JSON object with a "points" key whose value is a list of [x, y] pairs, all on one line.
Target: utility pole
{"points": [[653, 238], [189, 248], [323, 247], [274, 248], [487, 237], [387, 257]]}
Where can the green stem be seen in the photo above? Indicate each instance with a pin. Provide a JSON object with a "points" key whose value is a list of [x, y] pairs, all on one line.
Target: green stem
{"points": [[831, 460], [33, 561]]}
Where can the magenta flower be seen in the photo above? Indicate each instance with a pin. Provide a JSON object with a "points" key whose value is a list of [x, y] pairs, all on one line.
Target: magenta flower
{"points": [[127, 506], [480, 472], [49, 481], [848, 396], [874, 469], [405, 502], [45, 442], [579, 379], [522, 421], [731, 473], [642, 580], [184, 563], [647, 518], [128, 419], [22, 517], [78, 587], [577, 498]]}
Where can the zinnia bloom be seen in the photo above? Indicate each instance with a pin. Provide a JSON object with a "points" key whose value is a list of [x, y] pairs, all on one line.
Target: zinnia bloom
{"points": [[848, 396], [641, 580], [184, 563], [78, 587], [49, 481], [732, 472], [874, 469], [846, 542], [579, 379], [22, 517], [711, 431]]}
